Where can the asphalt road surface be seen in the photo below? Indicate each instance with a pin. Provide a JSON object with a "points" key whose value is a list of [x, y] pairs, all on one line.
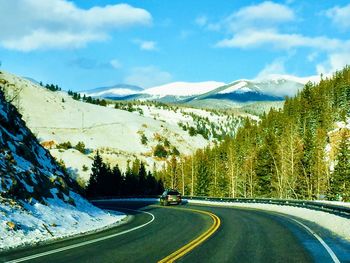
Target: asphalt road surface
{"points": [[245, 235]]}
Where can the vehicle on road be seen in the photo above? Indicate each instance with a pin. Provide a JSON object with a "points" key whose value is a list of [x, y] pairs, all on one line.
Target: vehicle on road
{"points": [[170, 196]]}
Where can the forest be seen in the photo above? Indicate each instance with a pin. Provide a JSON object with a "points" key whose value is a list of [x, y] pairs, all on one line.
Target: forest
{"points": [[301, 151], [107, 181]]}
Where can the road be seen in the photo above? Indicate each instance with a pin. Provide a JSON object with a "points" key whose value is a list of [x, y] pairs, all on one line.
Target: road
{"points": [[244, 236]]}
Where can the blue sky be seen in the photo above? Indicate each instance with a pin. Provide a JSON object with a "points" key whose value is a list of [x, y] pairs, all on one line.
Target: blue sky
{"points": [[86, 44]]}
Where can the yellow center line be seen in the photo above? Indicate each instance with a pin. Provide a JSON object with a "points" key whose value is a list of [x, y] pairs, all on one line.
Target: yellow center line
{"points": [[197, 241]]}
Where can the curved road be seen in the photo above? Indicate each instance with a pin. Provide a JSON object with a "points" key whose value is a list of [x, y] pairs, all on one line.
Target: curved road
{"points": [[244, 236]]}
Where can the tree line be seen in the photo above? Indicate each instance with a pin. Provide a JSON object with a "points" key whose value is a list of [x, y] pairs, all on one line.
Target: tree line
{"points": [[87, 99], [295, 152], [110, 181]]}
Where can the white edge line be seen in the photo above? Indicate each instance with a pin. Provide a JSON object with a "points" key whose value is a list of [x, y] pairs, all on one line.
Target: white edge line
{"points": [[323, 243], [85, 242]]}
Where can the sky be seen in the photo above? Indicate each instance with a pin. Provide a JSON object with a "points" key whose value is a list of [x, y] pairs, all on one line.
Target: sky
{"points": [[81, 44]]}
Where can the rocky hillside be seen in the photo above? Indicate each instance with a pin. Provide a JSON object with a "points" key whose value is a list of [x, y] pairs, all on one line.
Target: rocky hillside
{"points": [[37, 199], [27, 169]]}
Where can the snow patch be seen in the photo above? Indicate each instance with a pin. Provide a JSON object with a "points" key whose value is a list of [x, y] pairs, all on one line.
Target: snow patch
{"points": [[60, 218], [184, 88], [234, 88]]}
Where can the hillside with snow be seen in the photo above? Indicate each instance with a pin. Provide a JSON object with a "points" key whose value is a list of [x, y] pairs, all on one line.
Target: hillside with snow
{"points": [[37, 199], [56, 118]]}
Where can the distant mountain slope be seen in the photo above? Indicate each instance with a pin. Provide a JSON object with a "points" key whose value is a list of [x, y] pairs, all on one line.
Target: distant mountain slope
{"points": [[183, 88], [37, 199], [216, 95], [119, 90], [252, 91]]}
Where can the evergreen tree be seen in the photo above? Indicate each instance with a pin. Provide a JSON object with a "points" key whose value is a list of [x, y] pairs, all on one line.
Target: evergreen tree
{"points": [[142, 180], [117, 180], [93, 188], [203, 180], [340, 179]]}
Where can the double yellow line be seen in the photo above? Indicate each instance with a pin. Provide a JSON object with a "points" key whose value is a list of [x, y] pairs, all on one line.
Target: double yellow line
{"points": [[196, 242]]}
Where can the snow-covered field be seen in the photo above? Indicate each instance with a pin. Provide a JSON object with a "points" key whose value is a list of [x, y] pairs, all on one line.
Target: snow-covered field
{"points": [[36, 223], [183, 115], [75, 161], [336, 224], [191, 117]]}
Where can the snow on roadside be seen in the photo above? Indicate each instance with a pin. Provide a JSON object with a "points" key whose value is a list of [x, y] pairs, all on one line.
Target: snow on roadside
{"points": [[337, 203], [336, 224], [19, 227]]}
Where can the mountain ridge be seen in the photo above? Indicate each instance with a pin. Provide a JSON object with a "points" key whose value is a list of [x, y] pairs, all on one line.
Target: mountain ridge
{"points": [[118, 90], [209, 94]]}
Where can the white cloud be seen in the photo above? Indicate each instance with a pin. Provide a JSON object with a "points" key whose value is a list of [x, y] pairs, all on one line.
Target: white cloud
{"points": [[260, 26], [265, 11], [277, 71], [115, 63], [257, 26], [146, 44], [335, 61], [340, 16], [147, 77], [276, 67], [35, 24], [265, 14], [272, 38], [42, 39]]}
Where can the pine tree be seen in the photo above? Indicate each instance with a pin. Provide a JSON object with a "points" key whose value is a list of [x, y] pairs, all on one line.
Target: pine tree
{"points": [[202, 180], [142, 187], [117, 180], [96, 170], [340, 179]]}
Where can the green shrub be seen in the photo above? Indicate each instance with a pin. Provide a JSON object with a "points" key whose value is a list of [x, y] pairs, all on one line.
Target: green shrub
{"points": [[175, 151], [85, 168], [144, 139], [160, 151], [80, 147], [65, 145]]}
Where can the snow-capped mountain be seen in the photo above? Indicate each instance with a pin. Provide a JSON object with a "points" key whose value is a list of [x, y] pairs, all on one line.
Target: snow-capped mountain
{"points": [[271, 88], [213, 94], [37, 198], [116, 91], [183, 89], [283, 85], [235, 94], [239, 87]]}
